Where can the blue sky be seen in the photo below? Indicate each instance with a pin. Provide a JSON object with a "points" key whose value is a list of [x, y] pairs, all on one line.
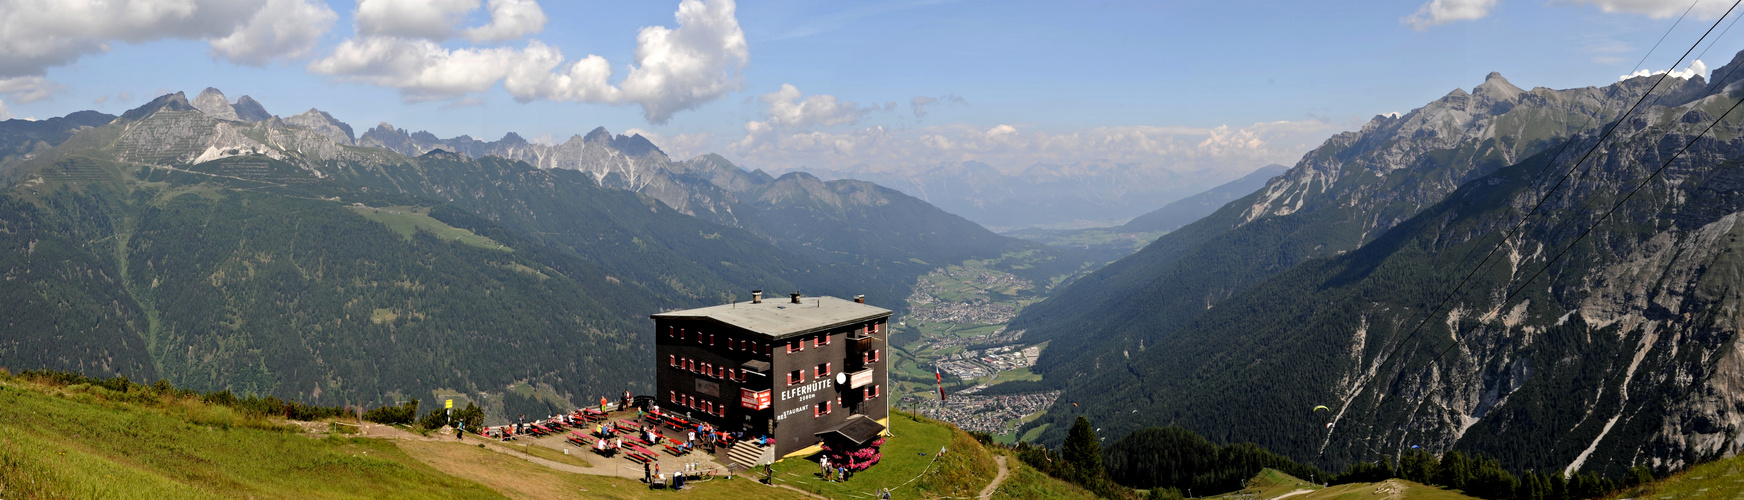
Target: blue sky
{"points": [[1224, 85]]}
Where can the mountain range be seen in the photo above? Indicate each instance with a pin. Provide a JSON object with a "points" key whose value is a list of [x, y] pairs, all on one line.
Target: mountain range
{"points": [[1311, 290], [216, 246]]}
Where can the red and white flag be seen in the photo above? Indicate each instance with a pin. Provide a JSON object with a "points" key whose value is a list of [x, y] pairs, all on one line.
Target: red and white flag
{"points": [[941, 379]]}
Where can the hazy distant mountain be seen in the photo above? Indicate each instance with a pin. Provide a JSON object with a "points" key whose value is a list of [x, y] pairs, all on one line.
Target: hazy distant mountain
{"points": [[1043, 195], [1186, 210], [22, 137], [1106, 244], [1624, 352]]}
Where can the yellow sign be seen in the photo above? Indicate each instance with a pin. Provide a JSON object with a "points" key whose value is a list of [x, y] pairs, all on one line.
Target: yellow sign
{"points": [[450, 404]]}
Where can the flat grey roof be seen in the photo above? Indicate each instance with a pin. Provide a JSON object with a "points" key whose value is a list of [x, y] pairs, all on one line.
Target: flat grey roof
{"points": [[779, 317]]}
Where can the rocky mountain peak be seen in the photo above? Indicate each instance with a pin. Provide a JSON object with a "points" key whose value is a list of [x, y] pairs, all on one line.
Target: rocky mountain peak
{"points": [[513, 139], [323, 123], [635, 145], [1496, 88], [173, 102], [250, 110], [1724, 76], [214, 104], [599, 134]]}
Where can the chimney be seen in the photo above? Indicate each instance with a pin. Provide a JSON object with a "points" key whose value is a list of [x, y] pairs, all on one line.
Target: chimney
{"points": [[756, 296], [859, 299], [796, 297]]}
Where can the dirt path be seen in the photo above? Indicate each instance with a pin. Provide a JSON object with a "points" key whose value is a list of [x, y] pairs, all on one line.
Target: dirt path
{"points": [[987, 493], [1291, 494]]}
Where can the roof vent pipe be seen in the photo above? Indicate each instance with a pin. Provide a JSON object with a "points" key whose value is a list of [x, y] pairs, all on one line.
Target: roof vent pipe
{"points": [[756, 296], [796, 297]]}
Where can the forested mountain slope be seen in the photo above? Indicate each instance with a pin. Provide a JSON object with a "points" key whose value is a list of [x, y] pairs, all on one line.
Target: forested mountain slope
{"points": [[1622, 352], [273, 257], [1339, 196]]}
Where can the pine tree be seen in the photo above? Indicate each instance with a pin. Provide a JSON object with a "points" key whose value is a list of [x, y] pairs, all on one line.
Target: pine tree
{"points": [[1455, 471], [1082, 450]]}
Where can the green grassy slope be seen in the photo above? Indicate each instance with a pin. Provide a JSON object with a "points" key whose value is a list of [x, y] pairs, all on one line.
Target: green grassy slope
{"points": [[84, 441], [1272, 483], [1718, 480], [911, 464]]}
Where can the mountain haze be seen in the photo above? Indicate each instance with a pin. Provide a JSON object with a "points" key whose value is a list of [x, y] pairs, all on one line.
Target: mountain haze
{"points": [[1043, 195]]}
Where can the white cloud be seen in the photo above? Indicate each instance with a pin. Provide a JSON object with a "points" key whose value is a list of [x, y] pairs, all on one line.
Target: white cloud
{"points": [[676, 68], [423, 70], [1655, 8], [100, 100], [282, 29], [428, 19], [124, 97], [1438, 12], [920, 103], [510, 19], [28, 89], [1695, 69], [786, 109], [39, 34], [5, 114], [681, 68], [1015, 146]]}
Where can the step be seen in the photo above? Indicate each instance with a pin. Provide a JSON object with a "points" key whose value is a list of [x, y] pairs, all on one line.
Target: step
{"points": [[748, 455]]}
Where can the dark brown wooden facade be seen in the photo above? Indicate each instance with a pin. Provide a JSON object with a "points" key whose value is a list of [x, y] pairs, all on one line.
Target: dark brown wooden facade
{"points": [[814, 363]]}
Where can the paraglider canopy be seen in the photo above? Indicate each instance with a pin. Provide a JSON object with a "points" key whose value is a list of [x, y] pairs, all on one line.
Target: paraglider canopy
{"points": [[1322, 407]]}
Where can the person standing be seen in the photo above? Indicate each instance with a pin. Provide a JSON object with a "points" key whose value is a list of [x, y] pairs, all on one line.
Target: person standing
{"points": [[824, 463], [647, 475]]}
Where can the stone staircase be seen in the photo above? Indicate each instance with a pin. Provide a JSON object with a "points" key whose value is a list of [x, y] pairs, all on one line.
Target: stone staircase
{"points": [[746, 455]]}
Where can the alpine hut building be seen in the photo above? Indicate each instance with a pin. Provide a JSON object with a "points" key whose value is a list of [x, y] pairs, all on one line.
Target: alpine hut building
{"points": [[801, 371]]}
